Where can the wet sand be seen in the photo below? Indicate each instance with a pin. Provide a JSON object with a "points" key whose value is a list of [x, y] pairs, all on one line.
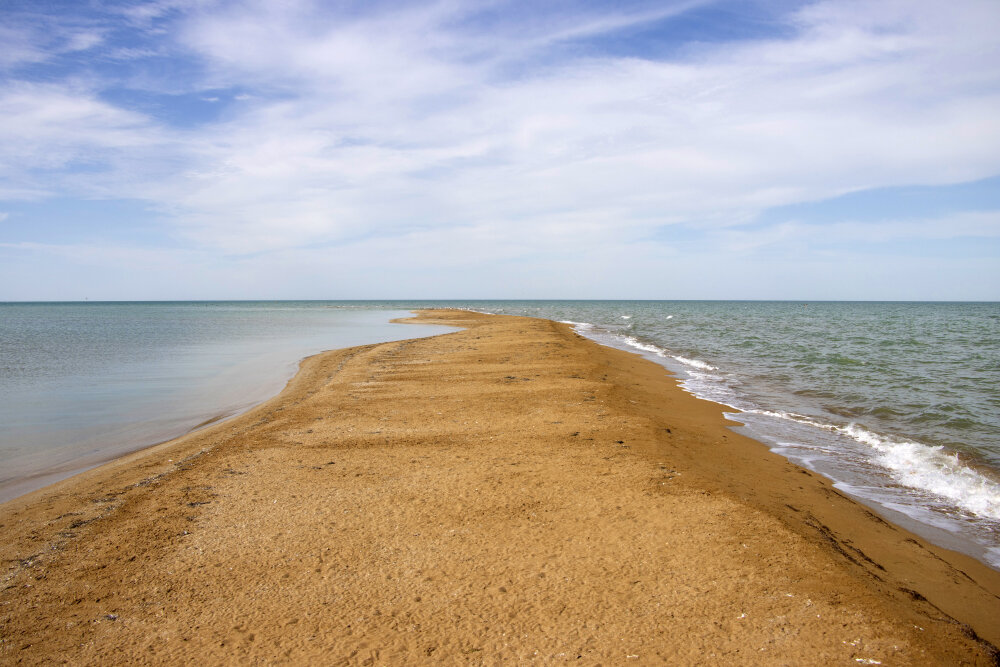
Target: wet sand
{"points": [[507, 493]]}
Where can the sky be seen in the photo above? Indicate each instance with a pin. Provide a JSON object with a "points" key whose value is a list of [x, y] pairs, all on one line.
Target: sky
{"points": [[679, 149]]}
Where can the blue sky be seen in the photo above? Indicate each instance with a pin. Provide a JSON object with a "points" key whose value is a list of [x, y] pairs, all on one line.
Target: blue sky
{"points": [[200, 149]]}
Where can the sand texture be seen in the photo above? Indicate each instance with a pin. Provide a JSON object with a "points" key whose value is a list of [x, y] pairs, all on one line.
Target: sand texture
{"points": [[509, 493]]}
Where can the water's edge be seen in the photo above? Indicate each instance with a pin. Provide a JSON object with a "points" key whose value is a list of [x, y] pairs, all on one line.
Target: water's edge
{"points": [[178, 426], [941, 534]]}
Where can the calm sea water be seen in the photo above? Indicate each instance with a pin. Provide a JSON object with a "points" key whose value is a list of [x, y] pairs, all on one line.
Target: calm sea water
{"points": [[81, 383], [899, 403]]}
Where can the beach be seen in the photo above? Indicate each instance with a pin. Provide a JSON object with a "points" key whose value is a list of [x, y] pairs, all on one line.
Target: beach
{"points": [[511, 492]]}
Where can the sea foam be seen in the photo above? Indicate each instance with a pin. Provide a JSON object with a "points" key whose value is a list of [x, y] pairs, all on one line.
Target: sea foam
{"points": [[929, 468], [933, 469], [660, 352], [578, 325]]}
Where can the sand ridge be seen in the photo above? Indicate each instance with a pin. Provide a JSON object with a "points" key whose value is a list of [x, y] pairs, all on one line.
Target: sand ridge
{"points": [[506, 493]]}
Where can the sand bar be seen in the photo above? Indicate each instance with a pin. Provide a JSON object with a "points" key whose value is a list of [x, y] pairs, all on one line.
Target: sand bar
{"points": [[508, 493]]}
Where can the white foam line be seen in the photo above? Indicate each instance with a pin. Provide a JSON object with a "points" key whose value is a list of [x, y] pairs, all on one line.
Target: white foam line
{"points": [[923, 467], [645, 347], [933, 469], [660, 352], [695, 363]]}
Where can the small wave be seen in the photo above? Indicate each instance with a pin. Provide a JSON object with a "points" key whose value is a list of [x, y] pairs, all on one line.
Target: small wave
{"points": [[791, 416], [645, 347], [924, 467], [626, 317], [934, 469], [580, 325], [660, 352], [884, 411], [812, 358], [695, 363]]}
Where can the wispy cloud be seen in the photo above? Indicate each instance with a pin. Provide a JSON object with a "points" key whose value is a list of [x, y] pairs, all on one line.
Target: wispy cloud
{"points": [[842, 106], [801, 235], [50, 133], [18, 48], [445, 120]]}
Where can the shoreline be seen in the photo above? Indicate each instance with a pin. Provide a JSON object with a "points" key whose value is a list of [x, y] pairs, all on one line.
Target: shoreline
{"points": [[23, 485], [192, 387], [933, 533], [947, 521], [553, 462]]}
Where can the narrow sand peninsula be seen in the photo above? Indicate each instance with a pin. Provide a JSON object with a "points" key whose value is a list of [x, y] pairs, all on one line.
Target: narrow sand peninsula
{"points": [[504, 494]]}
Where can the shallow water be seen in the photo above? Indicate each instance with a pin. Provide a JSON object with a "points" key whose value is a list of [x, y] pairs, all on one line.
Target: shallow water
{"points": [[81, 383]]}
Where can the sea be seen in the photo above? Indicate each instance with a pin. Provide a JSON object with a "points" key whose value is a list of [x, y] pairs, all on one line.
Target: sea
{"points": [[897, 403]]}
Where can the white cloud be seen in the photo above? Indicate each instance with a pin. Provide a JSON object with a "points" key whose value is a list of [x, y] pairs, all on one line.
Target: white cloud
{"points": [[18, 48], [28, 37], [82, 40], [405, 125], [381, 130], [802, 235], [62, 139]]}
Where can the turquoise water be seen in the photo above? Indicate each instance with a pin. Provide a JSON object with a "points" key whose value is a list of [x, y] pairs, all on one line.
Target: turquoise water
{"points": [[898, 403], [81, 383]]}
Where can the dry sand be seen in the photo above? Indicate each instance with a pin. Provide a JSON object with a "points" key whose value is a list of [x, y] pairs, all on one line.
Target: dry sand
{"points": [[505, 494]]}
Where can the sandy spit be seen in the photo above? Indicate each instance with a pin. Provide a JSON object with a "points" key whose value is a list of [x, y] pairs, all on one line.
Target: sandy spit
{"points": [[509, 493]]}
